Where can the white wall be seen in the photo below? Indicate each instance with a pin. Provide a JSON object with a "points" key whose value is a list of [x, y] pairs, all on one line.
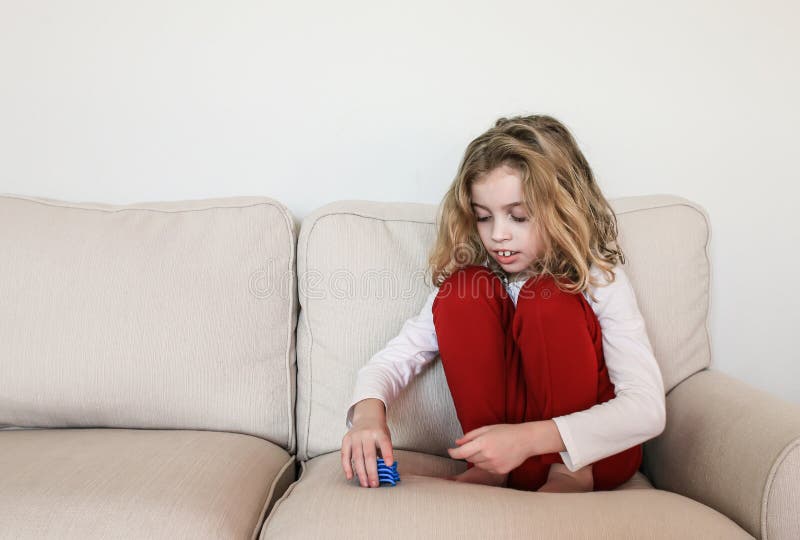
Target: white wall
{"points": [[310, 103]]}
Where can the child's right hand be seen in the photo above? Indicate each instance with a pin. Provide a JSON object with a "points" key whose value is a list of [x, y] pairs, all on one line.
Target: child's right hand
{"points": [[360, 444]]}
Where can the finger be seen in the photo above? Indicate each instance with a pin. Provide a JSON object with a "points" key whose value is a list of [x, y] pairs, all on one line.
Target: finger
{"points": [[346, 454], [487, 466], [370, 459], [479, 460], [386, 450], [472, 434], [465, 451], [358, 457]]}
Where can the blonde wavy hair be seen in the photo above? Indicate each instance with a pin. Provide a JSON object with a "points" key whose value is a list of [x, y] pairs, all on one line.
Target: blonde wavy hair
{"points": [[578, 226]]}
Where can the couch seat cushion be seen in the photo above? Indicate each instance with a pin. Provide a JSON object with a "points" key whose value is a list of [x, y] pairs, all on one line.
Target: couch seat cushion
{"points": [[125, 483], [324, 504]]}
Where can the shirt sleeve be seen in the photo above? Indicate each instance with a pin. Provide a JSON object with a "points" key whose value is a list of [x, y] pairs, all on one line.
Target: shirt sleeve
{"points": [[392, 368], [637, 413]]}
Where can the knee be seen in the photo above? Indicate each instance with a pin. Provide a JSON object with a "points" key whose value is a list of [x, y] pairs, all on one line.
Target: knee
{"points": [[543, 293], [548, 304], [469, 284]]}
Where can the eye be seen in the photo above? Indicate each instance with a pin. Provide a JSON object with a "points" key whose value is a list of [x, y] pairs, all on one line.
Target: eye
{"points": [[481, 219], [518, 219]]}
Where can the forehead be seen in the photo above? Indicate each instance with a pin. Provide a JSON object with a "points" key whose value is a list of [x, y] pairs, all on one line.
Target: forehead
{"points": [[499, 188]]}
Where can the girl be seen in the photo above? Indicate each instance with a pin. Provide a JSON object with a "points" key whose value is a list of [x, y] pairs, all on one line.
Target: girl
{"points": [[542, 343]]}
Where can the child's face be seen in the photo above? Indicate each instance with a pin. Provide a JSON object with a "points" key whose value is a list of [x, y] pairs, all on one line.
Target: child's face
{"points": [[503, 227]]}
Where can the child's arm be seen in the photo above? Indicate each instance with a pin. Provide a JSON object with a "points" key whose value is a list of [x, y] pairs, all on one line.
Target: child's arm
{"points": [[638, 411]]}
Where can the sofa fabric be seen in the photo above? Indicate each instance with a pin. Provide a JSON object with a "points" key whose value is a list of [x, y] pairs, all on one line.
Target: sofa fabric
{"points": [[156, 358], [133, 484], [362, 272], [169, 315], [734, 448], [424, 505]]}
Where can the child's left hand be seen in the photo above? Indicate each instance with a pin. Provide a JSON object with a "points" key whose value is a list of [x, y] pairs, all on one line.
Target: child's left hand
{"points": [[498, 448]]}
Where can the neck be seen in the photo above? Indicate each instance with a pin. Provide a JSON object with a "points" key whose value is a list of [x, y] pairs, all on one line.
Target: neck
{"points": [[519, 276]]}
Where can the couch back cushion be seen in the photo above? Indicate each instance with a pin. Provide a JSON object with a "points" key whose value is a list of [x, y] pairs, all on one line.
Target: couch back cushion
{"points": [[362, 272], [155, 315]]}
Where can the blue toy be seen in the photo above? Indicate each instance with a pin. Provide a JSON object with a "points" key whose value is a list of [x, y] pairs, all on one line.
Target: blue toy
{"points": [[386, 474]]}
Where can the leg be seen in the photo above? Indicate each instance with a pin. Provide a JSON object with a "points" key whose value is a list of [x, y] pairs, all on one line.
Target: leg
{"points": [[562, 353], [472, 314], [559, 340], [554, 331], [613, 471], [562, 480]]}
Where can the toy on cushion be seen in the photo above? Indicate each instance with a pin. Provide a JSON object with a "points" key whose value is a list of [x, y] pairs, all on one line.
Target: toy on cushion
{"points": [[387, 474]]}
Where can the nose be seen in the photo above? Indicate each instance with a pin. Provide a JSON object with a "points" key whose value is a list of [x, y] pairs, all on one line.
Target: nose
{"points": [[500, 231]]}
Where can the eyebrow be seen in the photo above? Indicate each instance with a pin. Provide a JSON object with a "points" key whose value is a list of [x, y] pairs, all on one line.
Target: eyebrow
{"points": [[509, 205]]}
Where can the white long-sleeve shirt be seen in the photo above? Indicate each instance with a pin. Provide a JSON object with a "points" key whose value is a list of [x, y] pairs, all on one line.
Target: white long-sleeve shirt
{"points": [[636, 414]]}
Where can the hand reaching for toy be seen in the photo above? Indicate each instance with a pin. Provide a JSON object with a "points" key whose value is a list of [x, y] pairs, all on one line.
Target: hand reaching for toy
{"points": [[368, 434], [498, 448]]}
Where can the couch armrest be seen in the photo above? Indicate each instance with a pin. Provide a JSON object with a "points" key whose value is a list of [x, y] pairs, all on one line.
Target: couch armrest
{"points": [[733, 448]]}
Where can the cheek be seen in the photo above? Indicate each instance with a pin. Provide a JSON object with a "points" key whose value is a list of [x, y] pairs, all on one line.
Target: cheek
{"points": [[484, 234], [533, 240], [537, 242]]}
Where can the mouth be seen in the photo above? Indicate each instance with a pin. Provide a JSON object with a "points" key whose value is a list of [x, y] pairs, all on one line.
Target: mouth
{"points": [[506, 256]]}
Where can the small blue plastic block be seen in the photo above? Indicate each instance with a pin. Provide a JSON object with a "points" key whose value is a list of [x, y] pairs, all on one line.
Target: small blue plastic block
{"points": [[386, 474]]}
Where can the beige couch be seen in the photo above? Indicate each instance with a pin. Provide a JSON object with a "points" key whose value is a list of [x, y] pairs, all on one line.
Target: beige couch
{"points": [[182, 370]]}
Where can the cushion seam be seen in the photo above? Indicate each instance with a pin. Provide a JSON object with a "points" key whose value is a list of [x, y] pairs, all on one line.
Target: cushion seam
{"points": [[291, 327], [375, 218], [310, 350], [68, 206], [273, 485], [378, 218], [782, 456], [284, 497]]}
